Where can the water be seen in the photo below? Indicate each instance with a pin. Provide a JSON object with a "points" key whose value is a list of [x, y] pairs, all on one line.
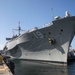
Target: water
{"points": [[32, 68], [71, 68]]}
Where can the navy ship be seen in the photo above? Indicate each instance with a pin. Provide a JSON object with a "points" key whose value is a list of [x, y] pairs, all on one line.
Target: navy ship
{"points": [[48, 44]]}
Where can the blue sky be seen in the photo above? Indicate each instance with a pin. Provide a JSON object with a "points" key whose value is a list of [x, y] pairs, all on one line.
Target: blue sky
{"points": [[30, 13]]}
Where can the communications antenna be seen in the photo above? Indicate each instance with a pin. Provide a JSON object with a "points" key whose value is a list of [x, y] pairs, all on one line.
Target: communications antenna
{"points": [[52, 13]]}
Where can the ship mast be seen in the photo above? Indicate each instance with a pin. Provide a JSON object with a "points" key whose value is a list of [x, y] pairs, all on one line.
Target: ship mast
{"points": [[19, 29]]}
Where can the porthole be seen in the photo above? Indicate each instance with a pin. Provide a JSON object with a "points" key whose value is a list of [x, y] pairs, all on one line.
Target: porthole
{"points": [[61, 30], [49, 33]]}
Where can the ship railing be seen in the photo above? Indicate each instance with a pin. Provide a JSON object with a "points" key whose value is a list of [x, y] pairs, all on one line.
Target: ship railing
{"points": [[36, 28], [48, 24]]}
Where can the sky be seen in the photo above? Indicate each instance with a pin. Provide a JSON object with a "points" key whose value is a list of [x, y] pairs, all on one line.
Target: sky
{"points": [[30, 13]]}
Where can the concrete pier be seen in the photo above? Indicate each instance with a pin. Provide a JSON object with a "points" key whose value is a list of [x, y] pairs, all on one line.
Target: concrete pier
{"points": [[4, 70]]}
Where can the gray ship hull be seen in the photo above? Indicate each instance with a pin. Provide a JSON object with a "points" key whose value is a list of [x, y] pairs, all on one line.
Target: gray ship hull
{"points": [[46, 44]]}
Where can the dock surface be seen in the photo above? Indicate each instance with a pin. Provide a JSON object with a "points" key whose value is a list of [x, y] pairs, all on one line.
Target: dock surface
{"points": [[4, 70]]}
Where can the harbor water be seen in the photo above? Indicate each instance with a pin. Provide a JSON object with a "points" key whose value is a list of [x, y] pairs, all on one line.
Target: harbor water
{"points": [[32, 68]]}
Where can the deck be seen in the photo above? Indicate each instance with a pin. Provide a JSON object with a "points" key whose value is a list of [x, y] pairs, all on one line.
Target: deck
{"points": [[4, 70]]}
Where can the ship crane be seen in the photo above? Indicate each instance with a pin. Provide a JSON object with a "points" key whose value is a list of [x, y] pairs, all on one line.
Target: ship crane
{"points": [[19, 29]]}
